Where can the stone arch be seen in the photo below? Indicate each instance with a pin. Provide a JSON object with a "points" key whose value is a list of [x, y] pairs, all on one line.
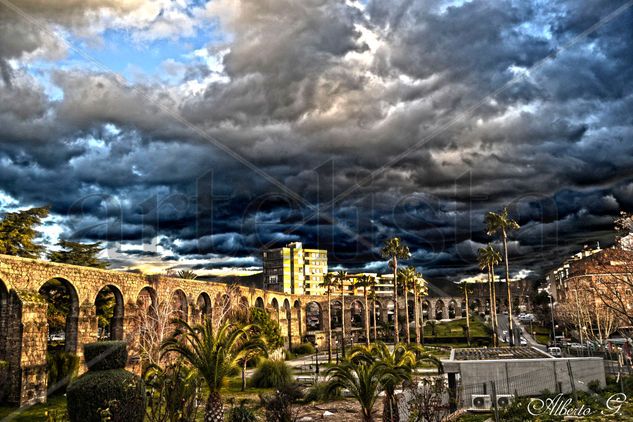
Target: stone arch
{"points": [[179, 304], [244, 303], [288, 315], [464, 308], [440, 312], [336, 314], [357, 314], [298, 318], [390, 311], [411, 307], [203, 307], [426, 310], [314, 316], [487, 307], [452, 309], [259, 303], [275, 305], [64, 293], [109, 308]]}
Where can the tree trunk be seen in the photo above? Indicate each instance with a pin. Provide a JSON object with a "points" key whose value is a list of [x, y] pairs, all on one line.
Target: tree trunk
{"points": [[505, 251], [244, 376], [492, 312], [366, 316], [329, 328], [395, 300], [494, 299], [467, 314], [375, 321], [406, 312], [342, 318], [390, 409], [214, 410], [416, 312]]}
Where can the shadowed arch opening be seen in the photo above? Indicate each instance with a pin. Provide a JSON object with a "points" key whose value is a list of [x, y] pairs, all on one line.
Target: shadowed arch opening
{"points": [[440, 312], [390, 311], [275, 305], [452, 309], [426, 308], [62, 314], [288, 315], [356, 314], [336, 314], [475, 306], [203, 307], [109, 308], [179, 304], [313, 316], [463, 308], [259, 303]]}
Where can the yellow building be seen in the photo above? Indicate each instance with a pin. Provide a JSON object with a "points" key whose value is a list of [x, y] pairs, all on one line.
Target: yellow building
{"points": [[295, 270]]}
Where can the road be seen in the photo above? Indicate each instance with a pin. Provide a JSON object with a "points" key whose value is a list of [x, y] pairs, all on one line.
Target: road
{"points": [[503, 326]]}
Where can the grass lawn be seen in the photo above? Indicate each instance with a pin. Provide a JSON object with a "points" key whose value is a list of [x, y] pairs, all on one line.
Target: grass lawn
{"points": [[543, 334], [456, 328], [55, 406]]}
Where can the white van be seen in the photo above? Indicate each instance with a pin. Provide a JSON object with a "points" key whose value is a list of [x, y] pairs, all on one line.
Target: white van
{"points": [[555, 351]]}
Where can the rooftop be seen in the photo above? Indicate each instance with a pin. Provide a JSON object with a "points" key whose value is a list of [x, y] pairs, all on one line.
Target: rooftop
{"points": [[498, 353]]}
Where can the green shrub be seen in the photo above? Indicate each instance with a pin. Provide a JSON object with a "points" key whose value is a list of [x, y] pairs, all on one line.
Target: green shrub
{"points": [[62, 368], [272, 374], [304, 349], [172, 392], [114, 395], [241, 413], [278, 405], [320, 392], [105, 355]]}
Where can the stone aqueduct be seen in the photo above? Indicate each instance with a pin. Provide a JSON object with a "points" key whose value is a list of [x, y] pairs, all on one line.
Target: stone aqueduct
{"points": [[24, 325]]}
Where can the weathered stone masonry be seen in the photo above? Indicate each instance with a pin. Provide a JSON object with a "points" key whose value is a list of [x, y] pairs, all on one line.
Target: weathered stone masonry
{"points": [[24, 327]]}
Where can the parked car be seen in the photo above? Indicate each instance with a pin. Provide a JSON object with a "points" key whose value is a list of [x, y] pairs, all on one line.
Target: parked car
{"points": [[523, 341], [555, 351]]}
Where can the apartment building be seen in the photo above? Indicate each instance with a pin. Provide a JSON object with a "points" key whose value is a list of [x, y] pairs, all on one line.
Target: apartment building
{"points": [[294, 269]]}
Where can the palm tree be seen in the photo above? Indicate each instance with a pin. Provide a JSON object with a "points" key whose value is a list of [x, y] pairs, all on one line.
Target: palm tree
{"points": [[419, 289], [341, 276], [364, 379], [214, 354], [366, 281], [328, 284], [464, 287], [488, 257], [394, 249], [400, 363], [503, 223]]}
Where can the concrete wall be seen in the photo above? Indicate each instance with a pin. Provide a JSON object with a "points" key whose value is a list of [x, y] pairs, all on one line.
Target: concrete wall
{"points": [[525, 377]]}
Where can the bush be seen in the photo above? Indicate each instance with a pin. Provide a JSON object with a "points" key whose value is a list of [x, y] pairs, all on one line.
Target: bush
{"points": [[62, 368], [115, 395], [272, 374], [320, 392], [241, 413], [278, 406], [105, 355], [172, 392], [304, 349]]}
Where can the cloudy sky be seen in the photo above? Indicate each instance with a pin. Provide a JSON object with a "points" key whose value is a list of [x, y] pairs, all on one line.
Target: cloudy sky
{"points": [[192, 133]]}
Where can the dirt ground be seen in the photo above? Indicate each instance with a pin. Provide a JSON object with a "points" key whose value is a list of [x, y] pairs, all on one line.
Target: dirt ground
{"points": [[344, 411]]}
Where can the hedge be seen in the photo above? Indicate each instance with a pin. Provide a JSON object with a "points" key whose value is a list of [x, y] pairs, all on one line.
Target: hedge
{"points": [[105, 355]]}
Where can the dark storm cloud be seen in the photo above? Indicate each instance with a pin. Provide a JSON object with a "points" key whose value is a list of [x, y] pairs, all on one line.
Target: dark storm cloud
{"points": [[320, 96]]}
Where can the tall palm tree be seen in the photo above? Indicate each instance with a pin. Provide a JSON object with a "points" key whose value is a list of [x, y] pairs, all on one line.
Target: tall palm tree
{"points": [[488, 257], [364, 379], [420, 289], [329, 283], [213, 353], [366, 281], [341, 276], [503, 223], [406, 278], [394, 249]]}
